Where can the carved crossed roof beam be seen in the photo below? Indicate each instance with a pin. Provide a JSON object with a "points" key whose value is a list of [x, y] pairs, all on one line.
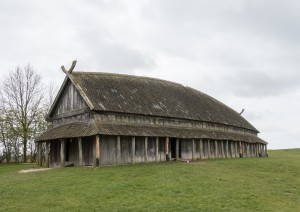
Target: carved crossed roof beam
{"points": [[71, 69]]}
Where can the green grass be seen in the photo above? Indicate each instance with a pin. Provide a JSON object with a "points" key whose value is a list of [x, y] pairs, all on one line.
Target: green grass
{"points": [[247, 184]]}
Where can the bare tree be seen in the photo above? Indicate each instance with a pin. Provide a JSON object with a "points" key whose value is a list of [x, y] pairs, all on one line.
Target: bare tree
{"points": [[22, 94]]}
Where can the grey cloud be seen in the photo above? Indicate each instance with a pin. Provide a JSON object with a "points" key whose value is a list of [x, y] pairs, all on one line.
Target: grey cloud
{"points": [[110, 55], [119, 57], [253, 83]]}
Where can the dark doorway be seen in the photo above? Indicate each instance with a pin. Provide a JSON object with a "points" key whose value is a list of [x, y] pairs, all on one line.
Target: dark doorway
{"points": [[173, 148], [67, 149]]}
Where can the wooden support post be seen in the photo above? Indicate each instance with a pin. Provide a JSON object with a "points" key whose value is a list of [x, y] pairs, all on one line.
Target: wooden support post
{"points": [[232, 149], [208, 149], [167, 149], [237, 153], [97, 151], [193, 150], [156, 149], [241, 150], [256, 149], [146, 149], [94, 153], [62, 152], [118, 150], [133, 149], [248, 146], [216, 149], [47, 151], [266, 151], [177, 148], [201, 149], [227, 149], [39, 145], [249, 149], [222, 149], [259, 150], [80, 162]]}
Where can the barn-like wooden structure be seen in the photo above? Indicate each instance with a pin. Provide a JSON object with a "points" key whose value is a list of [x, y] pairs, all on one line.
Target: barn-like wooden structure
{"points": [[103, 119]]}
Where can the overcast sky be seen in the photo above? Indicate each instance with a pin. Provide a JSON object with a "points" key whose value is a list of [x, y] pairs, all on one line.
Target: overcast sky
{"points": [[245, 53]]}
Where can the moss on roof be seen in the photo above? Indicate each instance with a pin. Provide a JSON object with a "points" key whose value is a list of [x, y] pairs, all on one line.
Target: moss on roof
{"points": [[154, 97]]}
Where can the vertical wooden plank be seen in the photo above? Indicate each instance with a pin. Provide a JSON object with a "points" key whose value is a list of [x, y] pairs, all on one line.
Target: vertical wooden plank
{"points": [[167, 149], [226, 149], [133, 149], [156, 149], [177, 148], [146, 149], [118, 149], [266, 151], [216, 149], [94, 162], [241, 150], [97, 146], [193, 149], [201, 149], [231, 147], [256, 149], [248, 149], [47, 151], [259, 150], [39, 145], [80, 162], [208, 149], [62, 152], [222, 149]]}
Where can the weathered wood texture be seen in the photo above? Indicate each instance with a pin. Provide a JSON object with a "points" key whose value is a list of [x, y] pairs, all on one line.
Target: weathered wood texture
{"points": [[54, 153], [87, 150], [126, 149], [40, 157], [47, 154], [80, 156], [62, 153], [70, 101]]}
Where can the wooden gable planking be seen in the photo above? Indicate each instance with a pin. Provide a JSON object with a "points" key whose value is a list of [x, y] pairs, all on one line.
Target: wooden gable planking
{"points": [[70, 101]]}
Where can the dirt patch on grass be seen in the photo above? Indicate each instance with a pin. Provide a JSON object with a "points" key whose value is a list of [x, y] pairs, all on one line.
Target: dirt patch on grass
{"points": [[34, 170]]}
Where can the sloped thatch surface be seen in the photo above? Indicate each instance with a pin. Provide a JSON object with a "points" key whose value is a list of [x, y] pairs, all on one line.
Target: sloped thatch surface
{"points": [[82, 129], [148, 96]]}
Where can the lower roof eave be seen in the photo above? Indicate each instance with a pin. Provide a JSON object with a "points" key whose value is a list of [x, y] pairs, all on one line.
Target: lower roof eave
{"points": [[82, 129]]}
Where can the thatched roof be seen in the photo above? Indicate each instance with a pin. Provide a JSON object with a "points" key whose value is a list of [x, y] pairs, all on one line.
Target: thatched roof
{"points": [[82, 129], [105, 92]]}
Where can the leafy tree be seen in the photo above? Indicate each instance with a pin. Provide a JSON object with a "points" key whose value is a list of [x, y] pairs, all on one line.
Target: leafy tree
{"points": [[22, 95]]}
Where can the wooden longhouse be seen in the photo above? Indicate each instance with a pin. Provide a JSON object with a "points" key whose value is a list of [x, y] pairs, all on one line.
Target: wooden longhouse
{"points": [[102, 118]]}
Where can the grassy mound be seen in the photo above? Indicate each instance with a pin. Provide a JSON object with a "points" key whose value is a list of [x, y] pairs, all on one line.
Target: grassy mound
{"points": [[247, 184]]}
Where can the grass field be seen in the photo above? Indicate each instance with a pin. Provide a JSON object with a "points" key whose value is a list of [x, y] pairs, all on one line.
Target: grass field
{"points": [[247, 184]]}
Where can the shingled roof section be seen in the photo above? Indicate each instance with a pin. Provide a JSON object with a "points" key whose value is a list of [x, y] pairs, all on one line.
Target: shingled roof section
{"points": [[154, 97], [74, 130]]}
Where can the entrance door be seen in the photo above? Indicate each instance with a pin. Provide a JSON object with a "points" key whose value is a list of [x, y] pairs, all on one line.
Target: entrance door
{"points": [[173, 148]]}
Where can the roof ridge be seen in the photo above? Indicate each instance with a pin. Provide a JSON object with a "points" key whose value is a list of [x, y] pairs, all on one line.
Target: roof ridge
{"points": [[127, 76]]}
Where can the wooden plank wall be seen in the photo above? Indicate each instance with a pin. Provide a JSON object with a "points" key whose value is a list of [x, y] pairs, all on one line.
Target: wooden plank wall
{"points": [[71, 100], [87, 150], [127, 149], [55, 153]]}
